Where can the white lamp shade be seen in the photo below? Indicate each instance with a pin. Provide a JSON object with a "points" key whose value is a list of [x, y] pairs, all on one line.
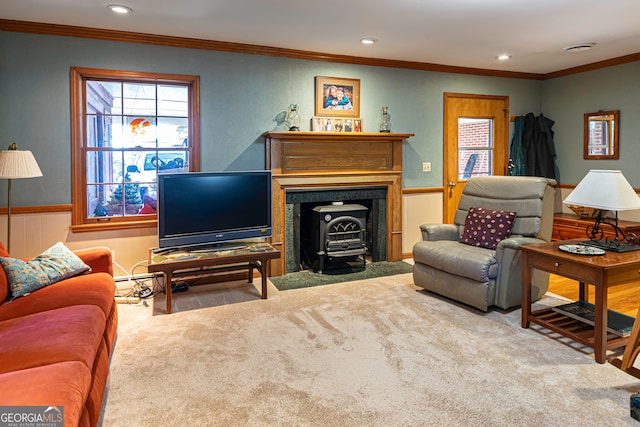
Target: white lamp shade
{"points": [[606, 190], [18, 164]]}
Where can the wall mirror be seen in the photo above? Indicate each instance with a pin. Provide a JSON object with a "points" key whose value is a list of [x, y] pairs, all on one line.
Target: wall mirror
{"points": [[601, 135]]}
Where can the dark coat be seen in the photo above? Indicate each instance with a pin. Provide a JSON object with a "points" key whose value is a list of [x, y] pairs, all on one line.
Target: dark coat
{"points": [[538, 146]]}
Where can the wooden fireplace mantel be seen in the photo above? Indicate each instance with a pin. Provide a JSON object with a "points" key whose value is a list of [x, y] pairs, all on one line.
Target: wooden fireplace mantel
{"points": [[327, 160]]}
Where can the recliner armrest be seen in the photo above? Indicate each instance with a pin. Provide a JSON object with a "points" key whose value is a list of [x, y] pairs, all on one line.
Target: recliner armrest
{"points": [[433, 232], [516, 242], [509, 247], [509, 280]]}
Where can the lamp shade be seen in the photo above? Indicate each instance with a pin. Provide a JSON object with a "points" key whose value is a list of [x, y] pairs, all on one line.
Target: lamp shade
{"points": [[18, 164], [606, 190]]}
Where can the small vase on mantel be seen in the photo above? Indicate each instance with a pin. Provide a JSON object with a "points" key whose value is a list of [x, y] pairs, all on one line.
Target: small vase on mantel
{"points": [[385, 124], [293, 118]]}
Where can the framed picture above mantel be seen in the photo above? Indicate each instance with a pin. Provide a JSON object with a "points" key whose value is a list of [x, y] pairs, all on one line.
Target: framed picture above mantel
{"points": [[337, 97]]}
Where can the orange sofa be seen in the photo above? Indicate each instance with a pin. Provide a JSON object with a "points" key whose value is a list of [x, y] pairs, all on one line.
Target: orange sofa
{"points": [[55, 342]]}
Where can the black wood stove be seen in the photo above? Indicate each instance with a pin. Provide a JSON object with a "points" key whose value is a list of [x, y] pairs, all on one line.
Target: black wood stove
{"points": [[338, 233]]}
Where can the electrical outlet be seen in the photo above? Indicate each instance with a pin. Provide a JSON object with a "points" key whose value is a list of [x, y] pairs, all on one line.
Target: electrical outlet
{"points": [[426, 167]]}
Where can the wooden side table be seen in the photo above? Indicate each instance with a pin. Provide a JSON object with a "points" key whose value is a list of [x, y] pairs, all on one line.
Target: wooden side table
{"points": [[181, 264], [602, 272]]}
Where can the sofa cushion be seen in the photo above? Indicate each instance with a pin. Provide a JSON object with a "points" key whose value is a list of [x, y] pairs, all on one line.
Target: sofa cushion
{"points": [[53, 265], [61, 385], [486, 228], [64, 334], [91, 289], [458, 259]]}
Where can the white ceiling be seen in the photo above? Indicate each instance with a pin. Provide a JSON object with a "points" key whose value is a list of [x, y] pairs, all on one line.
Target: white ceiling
{"points": [[465, 33]]}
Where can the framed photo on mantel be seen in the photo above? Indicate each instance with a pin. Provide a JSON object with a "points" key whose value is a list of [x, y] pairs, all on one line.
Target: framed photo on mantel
{"points": [[337, 97], [336, 124]]}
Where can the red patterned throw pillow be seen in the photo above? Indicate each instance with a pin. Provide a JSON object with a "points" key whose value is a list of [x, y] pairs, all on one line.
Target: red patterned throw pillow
{"points": [[485, 228]]}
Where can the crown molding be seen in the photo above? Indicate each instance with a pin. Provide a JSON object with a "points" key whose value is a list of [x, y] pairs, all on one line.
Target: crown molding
{"points": [[594, 66], [193, 43]]}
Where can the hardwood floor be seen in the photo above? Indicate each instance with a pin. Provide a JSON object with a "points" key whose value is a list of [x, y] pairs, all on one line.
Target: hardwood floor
{"points": [[623, 299]]}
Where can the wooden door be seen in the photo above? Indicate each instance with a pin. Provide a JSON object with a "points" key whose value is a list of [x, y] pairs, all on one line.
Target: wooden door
{"points": [[476, 142]]}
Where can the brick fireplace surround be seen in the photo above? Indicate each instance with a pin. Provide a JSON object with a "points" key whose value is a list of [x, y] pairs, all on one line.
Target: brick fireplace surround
{"points": [[315, 161]]}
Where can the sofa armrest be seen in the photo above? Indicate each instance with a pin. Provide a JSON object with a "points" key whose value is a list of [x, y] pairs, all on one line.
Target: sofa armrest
{"points": [[433, 232], [99, 259]]}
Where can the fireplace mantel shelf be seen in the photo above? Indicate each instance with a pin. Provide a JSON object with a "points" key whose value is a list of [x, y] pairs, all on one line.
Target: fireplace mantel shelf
{"points": [[329, 160], [337, 136]]}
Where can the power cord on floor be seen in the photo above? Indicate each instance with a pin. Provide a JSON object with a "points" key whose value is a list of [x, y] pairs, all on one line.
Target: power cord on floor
{"points": [[140, 288], [125, 297]]}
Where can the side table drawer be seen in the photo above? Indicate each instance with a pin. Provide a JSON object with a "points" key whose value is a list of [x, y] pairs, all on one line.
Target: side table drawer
{"points": [[581, 273]]}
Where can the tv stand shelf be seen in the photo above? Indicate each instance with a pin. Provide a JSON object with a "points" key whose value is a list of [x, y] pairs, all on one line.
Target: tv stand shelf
{"points": [[182, 264]]}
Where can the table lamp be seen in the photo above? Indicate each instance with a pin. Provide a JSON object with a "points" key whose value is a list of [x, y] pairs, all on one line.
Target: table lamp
{"points": [[606, 190], [16, 164]]}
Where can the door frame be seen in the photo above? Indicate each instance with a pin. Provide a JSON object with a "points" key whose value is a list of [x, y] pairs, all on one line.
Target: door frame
{"points": [[501, 147]]}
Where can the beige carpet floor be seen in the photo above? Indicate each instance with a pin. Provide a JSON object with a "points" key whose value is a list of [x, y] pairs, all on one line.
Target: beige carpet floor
{"points": [[377, 352]]}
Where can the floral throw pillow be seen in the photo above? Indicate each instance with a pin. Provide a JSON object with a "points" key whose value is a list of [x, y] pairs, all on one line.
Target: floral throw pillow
{"points": [[53, 265], [486, 228]]}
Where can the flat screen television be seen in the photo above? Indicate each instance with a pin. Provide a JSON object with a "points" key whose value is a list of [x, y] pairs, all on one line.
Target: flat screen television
{"points": [[209, 209]]}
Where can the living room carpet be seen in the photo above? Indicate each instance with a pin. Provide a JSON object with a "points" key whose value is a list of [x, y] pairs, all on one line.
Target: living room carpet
{"points": [[378, 352], [341, 273]]}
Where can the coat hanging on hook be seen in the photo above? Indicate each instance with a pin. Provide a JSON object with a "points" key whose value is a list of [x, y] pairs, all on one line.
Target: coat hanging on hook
{"points": [[532, 151]]}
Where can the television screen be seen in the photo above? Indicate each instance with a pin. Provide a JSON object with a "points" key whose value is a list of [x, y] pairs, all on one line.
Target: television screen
{"points": [[208, 208]]}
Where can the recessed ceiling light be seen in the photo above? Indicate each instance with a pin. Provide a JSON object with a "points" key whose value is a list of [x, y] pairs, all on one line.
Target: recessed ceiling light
{"points": [[503, 57], [368, 40], [579, 47], [118, 8]]}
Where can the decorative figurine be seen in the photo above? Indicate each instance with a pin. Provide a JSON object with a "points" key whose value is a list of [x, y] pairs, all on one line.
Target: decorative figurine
{"points": [[385, 124]]}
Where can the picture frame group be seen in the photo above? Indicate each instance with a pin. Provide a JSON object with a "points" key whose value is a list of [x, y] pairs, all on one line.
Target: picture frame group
{"points": [[336, 124], [337, 106]]}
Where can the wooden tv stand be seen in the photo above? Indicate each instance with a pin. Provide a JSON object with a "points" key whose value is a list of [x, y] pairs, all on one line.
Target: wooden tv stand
{"points": [[181, 264]]}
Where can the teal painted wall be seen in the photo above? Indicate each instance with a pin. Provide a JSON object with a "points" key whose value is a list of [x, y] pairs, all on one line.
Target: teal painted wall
{"points": [[567, 99], [240, 97]]}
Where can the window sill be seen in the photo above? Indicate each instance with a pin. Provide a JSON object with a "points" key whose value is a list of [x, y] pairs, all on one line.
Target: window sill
{"points": [[112, 226]]}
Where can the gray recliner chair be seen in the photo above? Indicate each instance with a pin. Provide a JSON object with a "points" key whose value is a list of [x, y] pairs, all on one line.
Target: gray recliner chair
{"points": [[478, 276]]}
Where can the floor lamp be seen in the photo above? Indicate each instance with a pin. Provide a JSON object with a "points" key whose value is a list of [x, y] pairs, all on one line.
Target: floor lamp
{"points": [[16, 164]]}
